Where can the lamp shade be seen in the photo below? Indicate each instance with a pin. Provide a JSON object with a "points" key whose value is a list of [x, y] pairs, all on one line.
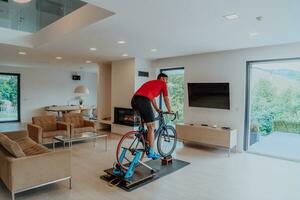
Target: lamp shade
{"points": [[81, 89]]}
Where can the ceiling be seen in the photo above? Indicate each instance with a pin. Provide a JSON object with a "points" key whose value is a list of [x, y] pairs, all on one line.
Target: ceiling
{"points": [[173, 27]]}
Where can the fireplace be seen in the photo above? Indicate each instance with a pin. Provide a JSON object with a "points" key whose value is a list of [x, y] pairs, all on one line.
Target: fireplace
{"points": [[125, 116]]}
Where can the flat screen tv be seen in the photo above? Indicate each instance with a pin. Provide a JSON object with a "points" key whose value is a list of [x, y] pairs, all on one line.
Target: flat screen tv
{"points": [[209, 95]]}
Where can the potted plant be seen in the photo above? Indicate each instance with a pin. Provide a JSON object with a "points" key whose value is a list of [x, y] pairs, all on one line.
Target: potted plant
{"points": [[254, 133]]}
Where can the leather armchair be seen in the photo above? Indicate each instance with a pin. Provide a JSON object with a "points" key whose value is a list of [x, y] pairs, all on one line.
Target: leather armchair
{"points": [[78, 124], [44, 128]]}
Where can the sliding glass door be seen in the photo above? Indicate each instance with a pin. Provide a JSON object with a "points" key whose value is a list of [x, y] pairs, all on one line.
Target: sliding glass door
{"points": [[9, 97], [274, 108]]}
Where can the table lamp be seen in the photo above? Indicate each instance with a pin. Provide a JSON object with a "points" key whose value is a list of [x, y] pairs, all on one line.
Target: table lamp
{"points": [[81, 90]]}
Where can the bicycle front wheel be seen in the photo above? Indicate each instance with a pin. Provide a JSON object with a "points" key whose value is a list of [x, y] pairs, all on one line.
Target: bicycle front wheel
{"points": [[167, 140]]}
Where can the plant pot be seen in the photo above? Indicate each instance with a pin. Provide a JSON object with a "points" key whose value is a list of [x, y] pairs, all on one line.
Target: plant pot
{"points": [[254, 137]]}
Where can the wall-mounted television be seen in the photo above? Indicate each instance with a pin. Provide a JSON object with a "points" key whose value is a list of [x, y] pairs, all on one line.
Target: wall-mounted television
{"points": [[209, 95]]}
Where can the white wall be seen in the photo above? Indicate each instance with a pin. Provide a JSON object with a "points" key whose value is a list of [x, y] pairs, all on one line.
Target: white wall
{"points": [[227, 66], [42, 87], [104, 91], [142, 65], [122, 89]]}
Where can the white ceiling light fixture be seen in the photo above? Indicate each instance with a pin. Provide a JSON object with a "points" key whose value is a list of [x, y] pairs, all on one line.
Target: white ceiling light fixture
{"points": [[232, 16], [259, 18], [121, 42], [153, 50], [58, 58], [93, 49], [88, 62], [125, 55], [22, 1], [254, 34], [22, 53]]}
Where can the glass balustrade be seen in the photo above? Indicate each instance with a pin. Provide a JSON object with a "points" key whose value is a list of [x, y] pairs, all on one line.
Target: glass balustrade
{"points": [[36, 14]]}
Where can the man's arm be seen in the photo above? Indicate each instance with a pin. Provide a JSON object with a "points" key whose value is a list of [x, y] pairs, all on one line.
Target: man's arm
{"points": [[154, 104], [167, 102]]}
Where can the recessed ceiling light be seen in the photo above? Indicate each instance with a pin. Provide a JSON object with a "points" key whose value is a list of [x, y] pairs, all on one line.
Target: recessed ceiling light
{"points": [[93, 49], [22, 53], [253, 34], [59, 58], [88, 61], [22, 1], [232, 16], [125, 55], [259, 18], [121, 42], [153, 50]]}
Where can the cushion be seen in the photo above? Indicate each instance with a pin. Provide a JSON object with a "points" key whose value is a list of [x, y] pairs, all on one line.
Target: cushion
{"points": [[30, 147], [48, 123], [50, 134], [75, 119], [11, 146]]}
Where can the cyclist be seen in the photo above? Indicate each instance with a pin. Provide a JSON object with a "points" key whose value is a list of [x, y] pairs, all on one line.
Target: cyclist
{"points": [[142, 100]]}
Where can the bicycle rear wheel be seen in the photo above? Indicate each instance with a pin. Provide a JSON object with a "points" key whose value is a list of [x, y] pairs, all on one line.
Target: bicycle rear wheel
{"points": [[167, 140], [131, 142]]}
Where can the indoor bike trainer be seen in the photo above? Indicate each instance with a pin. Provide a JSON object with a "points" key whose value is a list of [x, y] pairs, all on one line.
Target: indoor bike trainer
{"points": [[129, 172]]}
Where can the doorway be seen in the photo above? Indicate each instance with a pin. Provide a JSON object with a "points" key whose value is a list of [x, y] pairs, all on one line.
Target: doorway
{"points": [[176, 92], [273, 108]]}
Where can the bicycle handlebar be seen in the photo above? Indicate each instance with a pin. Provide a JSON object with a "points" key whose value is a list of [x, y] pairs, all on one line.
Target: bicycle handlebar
{"points": [[175, 114]]}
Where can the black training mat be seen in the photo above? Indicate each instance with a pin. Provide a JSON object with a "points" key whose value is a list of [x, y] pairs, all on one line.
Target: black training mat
{"points": [[143, 175]]}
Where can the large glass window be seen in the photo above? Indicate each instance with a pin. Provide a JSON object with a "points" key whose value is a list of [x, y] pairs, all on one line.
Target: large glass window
{"points": [[9, 97], [176, 91]]}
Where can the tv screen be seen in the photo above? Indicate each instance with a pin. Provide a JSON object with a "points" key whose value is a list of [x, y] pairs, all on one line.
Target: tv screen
{"points": [[209, 95]]}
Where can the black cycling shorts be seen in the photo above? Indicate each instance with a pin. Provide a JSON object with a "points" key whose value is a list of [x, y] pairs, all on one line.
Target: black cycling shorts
{"points": [[143, 106]]}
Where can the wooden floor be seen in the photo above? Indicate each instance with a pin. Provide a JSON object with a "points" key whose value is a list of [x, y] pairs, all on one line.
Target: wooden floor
{"points": [[211, 176]]}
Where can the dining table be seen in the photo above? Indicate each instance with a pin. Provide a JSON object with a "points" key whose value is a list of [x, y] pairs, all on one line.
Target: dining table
{"points": [[67, 108]]}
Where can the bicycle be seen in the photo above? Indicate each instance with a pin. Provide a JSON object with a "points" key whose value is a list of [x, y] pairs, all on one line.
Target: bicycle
{"points": [[132, 147]]}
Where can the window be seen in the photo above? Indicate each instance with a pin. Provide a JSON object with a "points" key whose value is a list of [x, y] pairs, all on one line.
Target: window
{"points": [[176, 92], [9, 97]]}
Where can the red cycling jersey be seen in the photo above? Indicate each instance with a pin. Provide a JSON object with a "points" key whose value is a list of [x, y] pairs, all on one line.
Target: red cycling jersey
{"points": [[152, 89]]}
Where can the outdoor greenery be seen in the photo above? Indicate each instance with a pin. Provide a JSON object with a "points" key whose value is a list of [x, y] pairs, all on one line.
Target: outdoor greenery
{"points": [[274, 109], [8, 97], [286, 126], [176, 90], [8, 85], [176, 96]]}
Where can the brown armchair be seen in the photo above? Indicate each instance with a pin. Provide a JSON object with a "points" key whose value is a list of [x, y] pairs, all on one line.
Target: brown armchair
{"points": [[44, 128], [78, 124]]}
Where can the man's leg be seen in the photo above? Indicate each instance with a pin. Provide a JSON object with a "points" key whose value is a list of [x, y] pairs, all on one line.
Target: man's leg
{"points": [[150, 134], [150, 140]]}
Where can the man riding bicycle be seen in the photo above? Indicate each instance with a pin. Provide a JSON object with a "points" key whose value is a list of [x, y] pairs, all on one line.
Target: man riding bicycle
{"points": [[141, 102]]}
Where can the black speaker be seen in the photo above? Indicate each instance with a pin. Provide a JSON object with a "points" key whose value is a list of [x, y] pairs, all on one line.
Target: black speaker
{"points": [[76, 77], [143, 74]]}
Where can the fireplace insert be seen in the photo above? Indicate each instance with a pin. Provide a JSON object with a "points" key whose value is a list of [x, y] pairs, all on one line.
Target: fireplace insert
{"points": [[126, 116]]}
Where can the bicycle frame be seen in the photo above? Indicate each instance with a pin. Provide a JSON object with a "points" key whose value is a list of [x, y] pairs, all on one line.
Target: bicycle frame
{"points": [[162, 124]]}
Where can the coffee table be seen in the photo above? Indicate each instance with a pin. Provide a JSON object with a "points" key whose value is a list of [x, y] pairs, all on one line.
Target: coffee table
{"points": [[82, 137]]}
